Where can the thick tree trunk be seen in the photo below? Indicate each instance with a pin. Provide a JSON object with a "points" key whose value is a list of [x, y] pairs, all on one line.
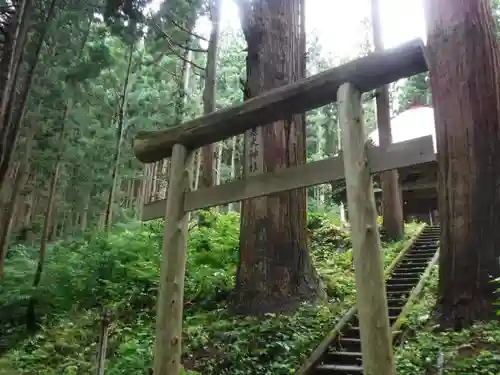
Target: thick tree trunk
{"points": [[393, 208], [464, 58], [275, 272]]}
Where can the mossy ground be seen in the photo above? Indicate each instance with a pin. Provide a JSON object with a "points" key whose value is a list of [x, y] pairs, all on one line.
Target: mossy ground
{"points": [[425, 349], [120, 271]]}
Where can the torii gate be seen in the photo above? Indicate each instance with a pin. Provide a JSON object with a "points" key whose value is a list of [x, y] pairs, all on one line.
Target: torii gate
{"points": [[344, 83]]}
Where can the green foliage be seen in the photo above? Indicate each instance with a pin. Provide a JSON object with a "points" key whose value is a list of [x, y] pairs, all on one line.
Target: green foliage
{"points": [[426, 349], [95, 58], [414, 91], [120, 271], [85, 59]]}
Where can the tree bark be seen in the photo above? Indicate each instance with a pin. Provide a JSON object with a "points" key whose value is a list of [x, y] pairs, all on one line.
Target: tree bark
{"points": [[275, 272], [197, 169], [185, 75], [25, 233], [392, 205], [119, 135], [82, 217], [8, 216], [464, 58], [234, 206], [219, 162], [208, 152], [49, 214], [12, 53], [141, 196], [12, 114]]}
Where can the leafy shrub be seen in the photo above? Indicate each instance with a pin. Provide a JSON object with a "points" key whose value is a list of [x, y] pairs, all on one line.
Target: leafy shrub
{"points": [[119, 270]]}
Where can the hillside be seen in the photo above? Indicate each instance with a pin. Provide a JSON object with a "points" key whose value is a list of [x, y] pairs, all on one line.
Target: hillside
{"points": [[119, 271], [426, 349]]}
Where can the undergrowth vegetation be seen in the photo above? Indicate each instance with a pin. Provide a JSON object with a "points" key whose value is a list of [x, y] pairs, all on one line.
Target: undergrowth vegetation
{"points": [[119, 271], [425, 349]]}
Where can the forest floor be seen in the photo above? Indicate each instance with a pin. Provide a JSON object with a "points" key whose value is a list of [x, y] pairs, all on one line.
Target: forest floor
{"points": [[427, 350], [119, 271]]}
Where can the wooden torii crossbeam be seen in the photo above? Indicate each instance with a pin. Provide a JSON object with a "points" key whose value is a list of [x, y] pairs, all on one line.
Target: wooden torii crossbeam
{"points": [[367, 73], [398, 155], [356, 164]]}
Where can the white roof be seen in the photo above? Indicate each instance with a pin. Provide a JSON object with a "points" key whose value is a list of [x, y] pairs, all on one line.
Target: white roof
{"points": [[413, 123]]}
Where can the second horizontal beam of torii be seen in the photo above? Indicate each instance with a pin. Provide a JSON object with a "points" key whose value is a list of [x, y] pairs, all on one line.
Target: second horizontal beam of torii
{"points": [[366, 73], [398, 155]]}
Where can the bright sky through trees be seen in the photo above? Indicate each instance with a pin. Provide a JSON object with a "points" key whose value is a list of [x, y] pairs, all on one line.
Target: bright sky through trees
{"points": [[338, 23]]}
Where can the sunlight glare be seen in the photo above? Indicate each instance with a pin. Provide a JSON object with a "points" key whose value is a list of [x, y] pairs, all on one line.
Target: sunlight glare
{"points": [[338, 23]]}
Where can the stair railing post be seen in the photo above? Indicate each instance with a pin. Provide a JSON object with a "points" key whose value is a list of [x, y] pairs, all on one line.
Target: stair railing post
{"points": [[169, 314], [371, 300]]}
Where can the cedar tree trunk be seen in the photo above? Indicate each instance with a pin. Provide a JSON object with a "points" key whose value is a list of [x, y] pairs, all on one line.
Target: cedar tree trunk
{"points": [[275, 272], [464, 59]]}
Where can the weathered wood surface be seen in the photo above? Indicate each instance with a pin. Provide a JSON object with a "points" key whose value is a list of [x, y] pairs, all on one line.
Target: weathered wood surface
{"points": [[398, 155], [371, 299], [366, 73], [392, 206], [169, 308], [414, 295], [316, 355], [411, 186]]}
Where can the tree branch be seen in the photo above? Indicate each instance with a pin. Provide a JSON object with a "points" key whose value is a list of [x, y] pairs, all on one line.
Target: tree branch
{"points": [[172, 49], [173, 74], [171, 41], [201, 75], [179, 26]]}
